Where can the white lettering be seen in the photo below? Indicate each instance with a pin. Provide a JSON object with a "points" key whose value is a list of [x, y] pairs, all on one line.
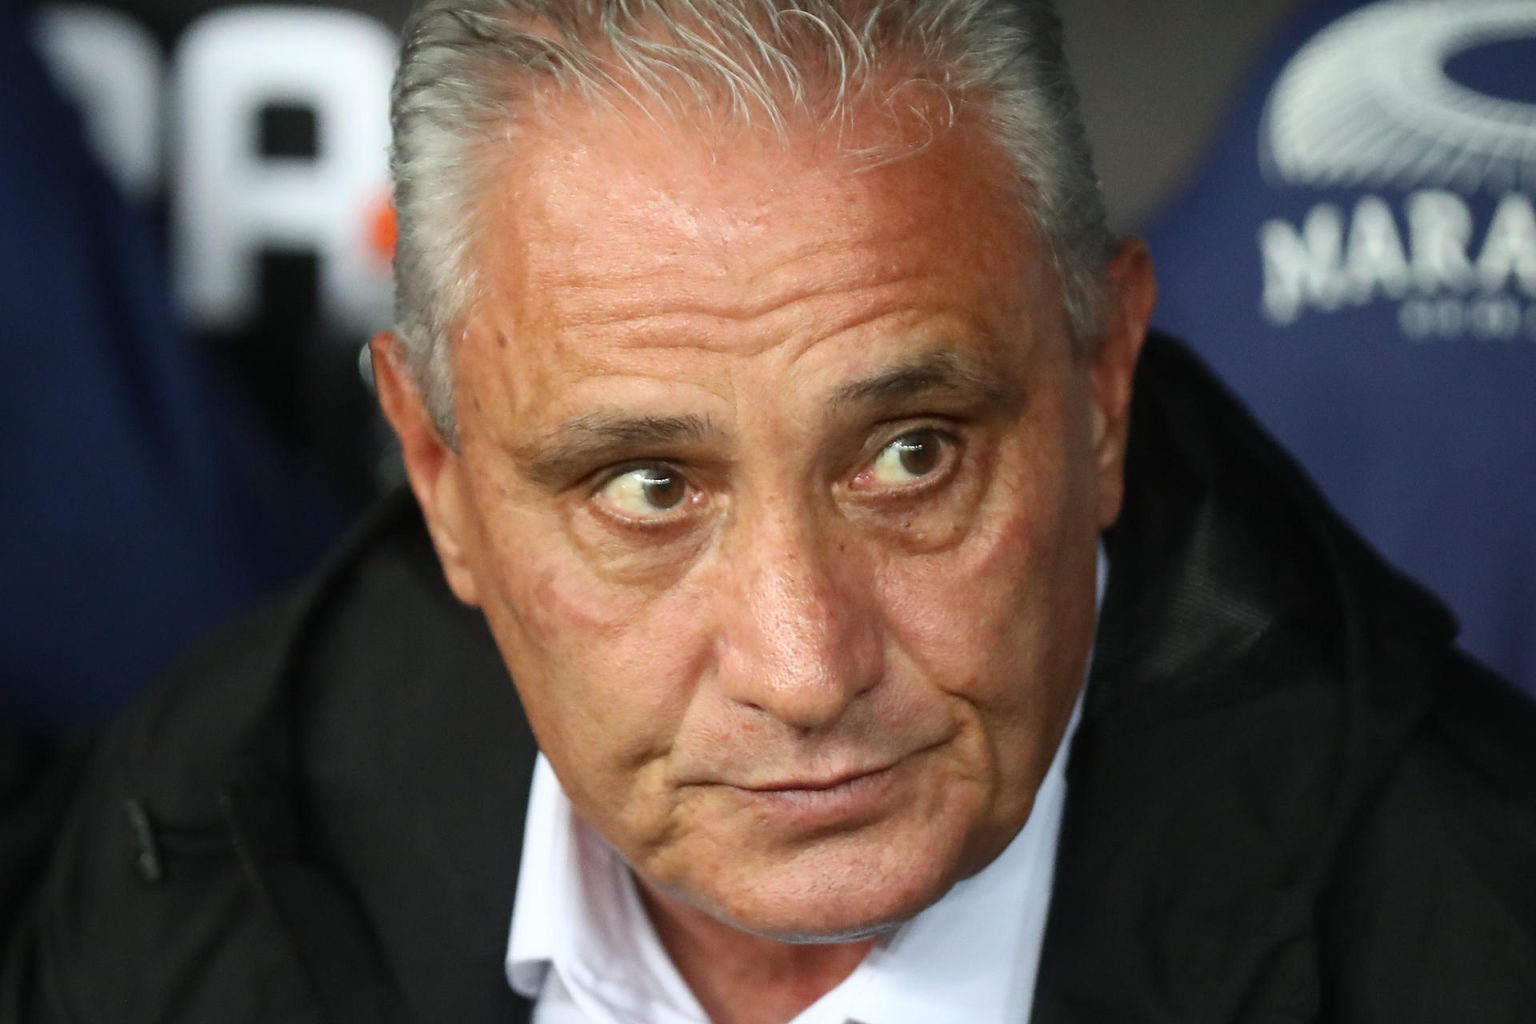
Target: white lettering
{"points": [[1376, 259], [1319, 267], [1510, 249], [111, 69], [232, 202], [1440, 225], [1303, 268], [1415, 320], [1496, 317], [1482, 319]]}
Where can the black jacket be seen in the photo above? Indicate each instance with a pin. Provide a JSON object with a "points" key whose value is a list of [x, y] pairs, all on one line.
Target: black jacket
{"points": [[1290, 799]]}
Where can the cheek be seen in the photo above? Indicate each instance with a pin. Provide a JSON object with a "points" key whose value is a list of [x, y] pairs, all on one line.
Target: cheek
{"points": [[950, 610], [1000, 619], [603, 672]]}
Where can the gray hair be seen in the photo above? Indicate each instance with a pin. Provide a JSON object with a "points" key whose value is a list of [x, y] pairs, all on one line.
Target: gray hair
{"points": [[465, 63]]}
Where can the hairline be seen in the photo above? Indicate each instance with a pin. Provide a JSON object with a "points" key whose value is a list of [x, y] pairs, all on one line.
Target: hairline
{"points": [[520, 104]]}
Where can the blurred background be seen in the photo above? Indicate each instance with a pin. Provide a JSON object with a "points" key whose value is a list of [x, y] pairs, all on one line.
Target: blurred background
{"points": [[195, 244]]}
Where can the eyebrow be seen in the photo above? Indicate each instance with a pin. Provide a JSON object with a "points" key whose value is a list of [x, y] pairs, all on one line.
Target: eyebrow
{"points": [[942, 372], [581, 444]]}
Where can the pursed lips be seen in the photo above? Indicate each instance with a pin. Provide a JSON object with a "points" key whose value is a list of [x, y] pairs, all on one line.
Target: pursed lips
{"points": [[821, 781], [828, 782]]}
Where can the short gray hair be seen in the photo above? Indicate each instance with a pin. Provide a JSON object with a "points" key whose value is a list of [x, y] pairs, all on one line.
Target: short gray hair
{"points": [[465, 63]]}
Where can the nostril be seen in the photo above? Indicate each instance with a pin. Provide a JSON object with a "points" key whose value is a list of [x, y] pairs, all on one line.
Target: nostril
{"points": [[803, 670]]}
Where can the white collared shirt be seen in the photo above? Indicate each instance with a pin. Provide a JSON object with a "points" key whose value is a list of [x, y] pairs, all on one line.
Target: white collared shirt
{"points": [[582, 946]]}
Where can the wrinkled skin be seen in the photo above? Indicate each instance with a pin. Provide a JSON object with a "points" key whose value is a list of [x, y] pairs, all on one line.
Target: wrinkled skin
{"points": [[780, 487]]}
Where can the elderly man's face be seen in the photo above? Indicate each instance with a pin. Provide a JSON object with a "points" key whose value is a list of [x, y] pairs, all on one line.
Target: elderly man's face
{"points": [[780, 489]]}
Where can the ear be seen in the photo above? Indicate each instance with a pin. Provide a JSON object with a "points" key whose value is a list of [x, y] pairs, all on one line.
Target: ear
{"points": [[436, 472], [1132, 291]]}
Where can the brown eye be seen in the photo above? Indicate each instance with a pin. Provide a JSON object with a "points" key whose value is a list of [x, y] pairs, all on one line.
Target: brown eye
{"points": [[909, 457], [662, 490], [645, 492], [919, 455]]}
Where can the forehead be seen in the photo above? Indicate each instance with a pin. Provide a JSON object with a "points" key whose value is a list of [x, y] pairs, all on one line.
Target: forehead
{"points": [[603, 233]]}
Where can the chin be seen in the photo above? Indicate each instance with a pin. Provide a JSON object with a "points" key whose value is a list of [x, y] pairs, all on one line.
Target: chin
{"points": [[838, 900]]}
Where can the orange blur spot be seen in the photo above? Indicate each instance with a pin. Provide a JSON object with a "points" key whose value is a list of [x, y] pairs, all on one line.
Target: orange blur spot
{"points": [[382, 229]]}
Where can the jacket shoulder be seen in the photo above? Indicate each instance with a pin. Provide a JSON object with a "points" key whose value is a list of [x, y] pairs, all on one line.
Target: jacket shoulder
{"points": [[144, 873], [1278, 745], [1431, 914], [148, 910]]}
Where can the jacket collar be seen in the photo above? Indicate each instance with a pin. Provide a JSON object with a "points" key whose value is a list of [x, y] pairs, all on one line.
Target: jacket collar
{"points": [[1258, 672], [381, 793]]}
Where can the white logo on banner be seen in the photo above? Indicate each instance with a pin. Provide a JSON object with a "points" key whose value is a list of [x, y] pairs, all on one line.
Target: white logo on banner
{"points": [[230, 202], [1368, 102]]}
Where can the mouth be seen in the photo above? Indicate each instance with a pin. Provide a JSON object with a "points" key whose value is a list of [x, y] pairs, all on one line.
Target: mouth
{"points": [[814, 785], [826, 803]]}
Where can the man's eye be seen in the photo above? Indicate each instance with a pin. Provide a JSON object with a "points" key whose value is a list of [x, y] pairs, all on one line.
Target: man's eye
{"points": [[645, 492], [909, 458]]}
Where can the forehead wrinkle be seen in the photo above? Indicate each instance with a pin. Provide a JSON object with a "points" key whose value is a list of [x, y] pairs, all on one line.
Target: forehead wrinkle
{"points": [[691, 323], [692, 273], [747, 262], [636, 259]]}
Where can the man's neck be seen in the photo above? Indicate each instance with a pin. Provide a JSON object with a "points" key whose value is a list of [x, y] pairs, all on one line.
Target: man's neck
{"points": [[740, 978]]}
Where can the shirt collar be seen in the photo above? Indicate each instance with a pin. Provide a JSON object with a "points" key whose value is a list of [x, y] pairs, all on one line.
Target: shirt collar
{"points": [[577, 910]]}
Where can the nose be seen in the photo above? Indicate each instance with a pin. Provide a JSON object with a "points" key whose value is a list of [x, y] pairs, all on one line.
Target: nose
{"points": [[800, 635]]}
